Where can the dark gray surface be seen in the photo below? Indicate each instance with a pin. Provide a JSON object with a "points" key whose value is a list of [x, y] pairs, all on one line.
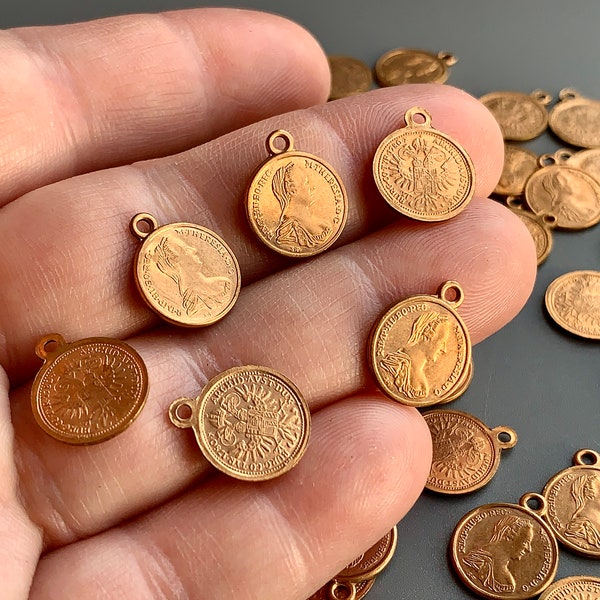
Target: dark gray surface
{"points": [[530, 376]]}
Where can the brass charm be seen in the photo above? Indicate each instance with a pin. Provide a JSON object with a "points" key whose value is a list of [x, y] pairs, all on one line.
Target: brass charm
{"points": [[573, 498], [250, 422], [564, 192], [576, 119], [520, 116], [420, 349], [586, 160], [409, 65], [338, 590], [296, 202], [572, 302], [505, 550], [519, 165], [573, 588], [422, 172], [185, 273], [349, 76], [87, 391], [466, 453]]}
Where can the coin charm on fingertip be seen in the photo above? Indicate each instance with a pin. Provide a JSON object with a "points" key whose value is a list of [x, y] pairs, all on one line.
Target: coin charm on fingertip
{"points": [[185, 272], [87, 391], [421, 172], [296, 202], [250, 422]]}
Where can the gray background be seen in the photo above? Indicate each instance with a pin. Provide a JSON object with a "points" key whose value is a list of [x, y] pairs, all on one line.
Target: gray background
{"points": [[530, 376]]}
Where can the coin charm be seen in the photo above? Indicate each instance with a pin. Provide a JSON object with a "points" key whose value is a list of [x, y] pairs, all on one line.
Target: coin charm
{"points": [[410, 65], [505, 551], [422, 172], [576, 119], [296, 203], [466, 453], [349, 76], [573, 302], [338, 590], [250, 422], [519, 165], [573, 588], [185, 273], [87, 391], [568, 194], [586, 160], [573, 498], [420, 349], [520, 116]]}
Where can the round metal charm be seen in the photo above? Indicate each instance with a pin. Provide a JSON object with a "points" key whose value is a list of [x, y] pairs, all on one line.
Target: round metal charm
{"points": [[349, 76], [505, 551], [586, 160], [296, 203], [87, 391], [186, 273], [423, 173], [420, 349], [250, 422], [572, 300], [520, 116], [409, 65], [576, 119], [581, 587], [466, 453], [573, 498], [519, 165], [341, 590]]}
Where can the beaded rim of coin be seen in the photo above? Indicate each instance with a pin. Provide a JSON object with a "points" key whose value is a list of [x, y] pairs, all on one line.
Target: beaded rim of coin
{"points": [[260, 425], [167, 284], [407, 166], [269, 197], [566, 588], [388, 75], [561, 120], [349, 76], [479, 463], [127, 390]]}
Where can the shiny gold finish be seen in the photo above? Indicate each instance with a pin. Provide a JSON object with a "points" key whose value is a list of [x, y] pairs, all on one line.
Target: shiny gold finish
{"points": [[573, 498], [250, 422], [505, 551], [410, 65], [466, 453], [185, 273], [371, 562], [519, 164], [575, 119], [520, 116], [573, 302], [422, 172], [586, 160], [87, 391], [564, 192], [296, 202], [337, 590], [420, 349], [582, 587], [349, 76]]}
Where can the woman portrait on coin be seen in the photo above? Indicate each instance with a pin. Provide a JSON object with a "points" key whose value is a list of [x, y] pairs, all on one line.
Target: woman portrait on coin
{"points": [[584, 524]]}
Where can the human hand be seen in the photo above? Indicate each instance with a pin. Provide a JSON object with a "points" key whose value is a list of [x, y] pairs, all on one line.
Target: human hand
{"points": [[143, 515]]}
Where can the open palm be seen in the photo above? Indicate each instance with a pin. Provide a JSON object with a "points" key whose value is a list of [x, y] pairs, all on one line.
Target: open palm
{"points": [[169, 115]]}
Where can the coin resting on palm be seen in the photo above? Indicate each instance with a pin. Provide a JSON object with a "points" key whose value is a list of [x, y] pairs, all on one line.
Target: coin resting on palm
{"points": [[250, 422], [87, 391]]}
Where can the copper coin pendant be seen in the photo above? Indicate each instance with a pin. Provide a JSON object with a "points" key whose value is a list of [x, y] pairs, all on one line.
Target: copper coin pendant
{"points": [[520, 116], [466, 453], [420, 349], [423, 173], [573, 588], [505, 551], [341, 590], [296, 203], [576, 119], [87, 391], [573, 302], [573, 498], [251, 422], [410, 65], [519, 165], [586, 160], [186, 273], [349, 76]]}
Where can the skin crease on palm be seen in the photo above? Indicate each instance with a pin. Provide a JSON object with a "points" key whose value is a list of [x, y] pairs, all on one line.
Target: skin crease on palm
{"points": [[169, 114]]}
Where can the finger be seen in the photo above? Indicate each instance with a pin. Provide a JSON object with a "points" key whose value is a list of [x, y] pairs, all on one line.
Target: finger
{"points": [[73, 236], [365, 466], [310, 322], [76, 98]]}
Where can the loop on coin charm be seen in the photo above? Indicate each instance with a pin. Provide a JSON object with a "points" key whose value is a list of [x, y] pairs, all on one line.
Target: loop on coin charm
{"points": [[142, 225], [49, 344], [349, 590], [586, 458], [181, 412]]}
